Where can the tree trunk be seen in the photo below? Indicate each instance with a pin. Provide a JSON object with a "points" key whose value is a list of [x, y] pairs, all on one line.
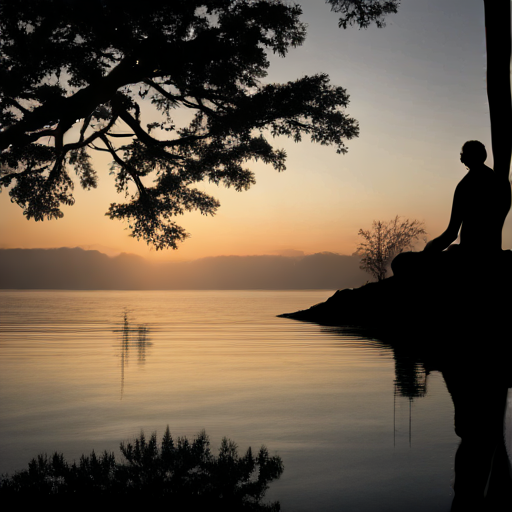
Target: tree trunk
{"points": [[497, 37]]}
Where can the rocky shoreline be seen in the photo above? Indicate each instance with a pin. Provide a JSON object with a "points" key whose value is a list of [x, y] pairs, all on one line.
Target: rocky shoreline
{"points": [[452, 302]]}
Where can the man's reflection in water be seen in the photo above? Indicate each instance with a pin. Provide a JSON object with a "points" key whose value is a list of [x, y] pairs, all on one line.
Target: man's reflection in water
{"points": [[464, 313], [478, 382], [468, 337]]}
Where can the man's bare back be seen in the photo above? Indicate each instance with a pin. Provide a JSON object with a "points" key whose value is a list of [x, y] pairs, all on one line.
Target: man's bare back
{"points": [[480, 205]]}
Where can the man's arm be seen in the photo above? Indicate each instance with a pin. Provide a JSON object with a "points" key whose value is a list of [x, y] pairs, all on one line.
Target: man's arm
{"points": [[450, 234]]}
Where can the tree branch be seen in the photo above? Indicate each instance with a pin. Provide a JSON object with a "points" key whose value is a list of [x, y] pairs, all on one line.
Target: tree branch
{"points": [[14, 103], [149, 140], [137, 129], [161, 90], [120, 135], [96, 148], [131, 171], [175, 99], [67, 110], [81, 143], [85, 125]]}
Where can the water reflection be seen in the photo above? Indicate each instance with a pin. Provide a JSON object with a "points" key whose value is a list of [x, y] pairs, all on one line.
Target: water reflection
{"points": [[411, 372], [132, 338], [411, 369], [470, 345]]}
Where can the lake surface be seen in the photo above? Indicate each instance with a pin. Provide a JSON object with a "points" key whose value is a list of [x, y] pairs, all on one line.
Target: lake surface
{"points": [[84, 370]]}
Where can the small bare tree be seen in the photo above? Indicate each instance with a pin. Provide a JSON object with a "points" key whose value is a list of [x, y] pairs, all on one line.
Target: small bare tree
{"points": [[384, 241]]}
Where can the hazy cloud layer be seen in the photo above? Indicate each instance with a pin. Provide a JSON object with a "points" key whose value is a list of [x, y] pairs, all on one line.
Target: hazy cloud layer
{"points": [[78, 269]]}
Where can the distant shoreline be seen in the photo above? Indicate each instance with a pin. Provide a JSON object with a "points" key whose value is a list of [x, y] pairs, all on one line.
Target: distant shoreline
{"points": [[79, 269], [330, 290]]}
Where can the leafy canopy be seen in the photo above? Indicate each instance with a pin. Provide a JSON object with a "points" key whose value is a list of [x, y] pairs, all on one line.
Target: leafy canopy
{"points": [[79, 77], [363, 12]]}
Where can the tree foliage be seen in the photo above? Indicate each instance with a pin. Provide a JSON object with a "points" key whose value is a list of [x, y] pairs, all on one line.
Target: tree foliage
{"points": [[176, 472], [120, 76], [363, 12], [384, 241]]}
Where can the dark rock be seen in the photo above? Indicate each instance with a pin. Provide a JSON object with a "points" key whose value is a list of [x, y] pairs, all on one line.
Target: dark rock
{"points": [[448, 299]]}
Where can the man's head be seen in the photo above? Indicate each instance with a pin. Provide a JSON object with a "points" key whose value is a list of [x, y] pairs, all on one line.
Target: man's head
{"points": [[473, 153]]}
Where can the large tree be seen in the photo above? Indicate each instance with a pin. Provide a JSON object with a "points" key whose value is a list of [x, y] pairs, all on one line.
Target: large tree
{"points": [[78, 77]]}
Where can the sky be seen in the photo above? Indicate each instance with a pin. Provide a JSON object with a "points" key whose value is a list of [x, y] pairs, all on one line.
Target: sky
{"points": [[417, 88]]}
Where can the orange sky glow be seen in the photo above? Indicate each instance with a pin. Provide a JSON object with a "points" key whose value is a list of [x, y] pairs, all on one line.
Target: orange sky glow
{"points": [[417, 87]]}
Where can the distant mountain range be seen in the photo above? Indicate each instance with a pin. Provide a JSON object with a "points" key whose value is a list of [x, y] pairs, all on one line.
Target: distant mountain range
{"points": [[79, 269]]}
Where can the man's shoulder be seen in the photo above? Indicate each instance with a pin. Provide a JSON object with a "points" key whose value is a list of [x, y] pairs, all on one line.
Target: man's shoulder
{"points": [[482, 185], [463, 184], [478, 178]]}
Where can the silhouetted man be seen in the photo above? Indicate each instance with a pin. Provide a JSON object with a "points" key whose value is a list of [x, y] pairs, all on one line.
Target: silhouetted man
{"points": [[480, 205]]}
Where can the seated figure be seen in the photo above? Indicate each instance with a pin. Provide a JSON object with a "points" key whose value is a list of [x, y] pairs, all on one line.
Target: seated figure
{"points": [[480, 205]]}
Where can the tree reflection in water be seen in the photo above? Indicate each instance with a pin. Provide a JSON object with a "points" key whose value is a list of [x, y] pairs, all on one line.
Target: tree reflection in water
{"points": [[132, 337]]}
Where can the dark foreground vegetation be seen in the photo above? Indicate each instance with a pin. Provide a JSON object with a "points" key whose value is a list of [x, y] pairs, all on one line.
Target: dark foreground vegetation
{"points": [[180, 475]]}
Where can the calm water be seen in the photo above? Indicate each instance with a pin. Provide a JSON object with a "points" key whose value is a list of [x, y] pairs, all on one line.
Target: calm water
{"points": [[86, 370]]}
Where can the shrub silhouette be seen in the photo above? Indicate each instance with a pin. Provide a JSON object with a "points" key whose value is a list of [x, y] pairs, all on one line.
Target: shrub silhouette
{"points": [[178, 474], [384, 241]]}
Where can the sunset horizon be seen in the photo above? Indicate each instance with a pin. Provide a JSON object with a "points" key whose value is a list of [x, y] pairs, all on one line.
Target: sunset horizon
{"points": [[255, 255], [413, 122]]}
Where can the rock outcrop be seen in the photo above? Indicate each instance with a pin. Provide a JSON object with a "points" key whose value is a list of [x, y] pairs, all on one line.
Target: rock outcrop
{"points": [[450, 299]]}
